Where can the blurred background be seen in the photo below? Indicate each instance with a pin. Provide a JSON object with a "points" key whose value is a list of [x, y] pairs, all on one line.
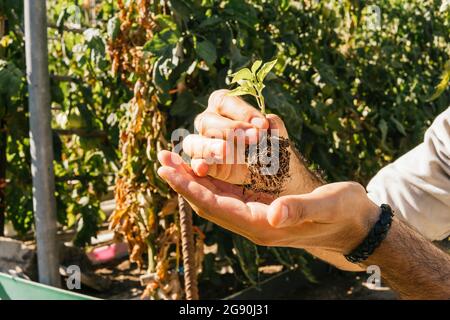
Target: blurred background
{"points": [[357, 83]]}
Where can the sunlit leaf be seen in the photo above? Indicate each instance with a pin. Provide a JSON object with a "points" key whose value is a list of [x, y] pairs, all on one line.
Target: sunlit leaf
{"points": [[256, 65], [239, 91], [265, 69], [243, 74], [162, 42]]}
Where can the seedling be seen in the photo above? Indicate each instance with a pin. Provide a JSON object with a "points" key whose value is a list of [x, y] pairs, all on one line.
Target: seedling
{"points": [[250, 81], [263, 177]]}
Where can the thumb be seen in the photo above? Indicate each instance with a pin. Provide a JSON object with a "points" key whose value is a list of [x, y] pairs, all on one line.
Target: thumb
{"points": [[289, 211]]}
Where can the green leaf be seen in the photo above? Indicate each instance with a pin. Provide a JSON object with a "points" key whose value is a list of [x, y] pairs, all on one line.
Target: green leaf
{"points": [[248, 86], [10, 78], [243, 74], [265, 69], [239, 91], [382, 125], [165, 22], [207, 51], [256, 65], [159, 78], [399, 126], [94, 41], [62, 18], [182, 8], [164, 41], [90, 34], [213, 21]]}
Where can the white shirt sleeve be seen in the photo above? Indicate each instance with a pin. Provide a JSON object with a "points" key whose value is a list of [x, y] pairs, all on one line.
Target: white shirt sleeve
{"points": [[417, 185]]}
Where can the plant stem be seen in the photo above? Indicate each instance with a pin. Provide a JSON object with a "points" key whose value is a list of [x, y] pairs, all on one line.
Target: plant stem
{"points": [[261, 104], [260, 100]]}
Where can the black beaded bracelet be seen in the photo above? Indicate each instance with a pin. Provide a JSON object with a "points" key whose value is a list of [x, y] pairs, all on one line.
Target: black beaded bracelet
{"points": [[374, 238]]}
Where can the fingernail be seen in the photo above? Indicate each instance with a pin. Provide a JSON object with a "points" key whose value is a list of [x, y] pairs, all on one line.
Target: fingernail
{"points": [[258, 122], [284, 215]]}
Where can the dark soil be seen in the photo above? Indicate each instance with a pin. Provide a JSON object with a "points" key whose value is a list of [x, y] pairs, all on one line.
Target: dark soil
{"points": [[266, 176]]}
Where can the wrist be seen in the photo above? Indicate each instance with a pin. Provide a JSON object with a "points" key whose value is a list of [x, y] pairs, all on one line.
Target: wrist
{"points": [[386, 248], [302, 180], [363, 223]]}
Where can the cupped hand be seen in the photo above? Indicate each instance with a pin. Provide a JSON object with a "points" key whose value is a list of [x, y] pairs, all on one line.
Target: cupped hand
{"points": [[226, 121], [328, 222]]}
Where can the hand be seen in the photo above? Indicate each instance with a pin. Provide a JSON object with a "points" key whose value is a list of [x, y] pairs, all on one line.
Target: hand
{"points": [[219, 124], [329, 222]]}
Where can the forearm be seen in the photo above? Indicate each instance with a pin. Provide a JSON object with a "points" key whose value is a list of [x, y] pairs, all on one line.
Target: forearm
{"points": [[412, 265], [305, 180]]}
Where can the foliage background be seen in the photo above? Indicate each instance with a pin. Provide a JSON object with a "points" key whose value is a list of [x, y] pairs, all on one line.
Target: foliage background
{"points": [[354, 97]]}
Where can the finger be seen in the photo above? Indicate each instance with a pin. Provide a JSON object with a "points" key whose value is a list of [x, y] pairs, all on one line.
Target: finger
{"points": [[200, 167], [213, 125], [182, 184], [289, 211], [174, 161], [230, 173], [171, 159], [212, 150], [217, 158], [210, 200], [236, 109], [178, 174], [276, 123]]}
